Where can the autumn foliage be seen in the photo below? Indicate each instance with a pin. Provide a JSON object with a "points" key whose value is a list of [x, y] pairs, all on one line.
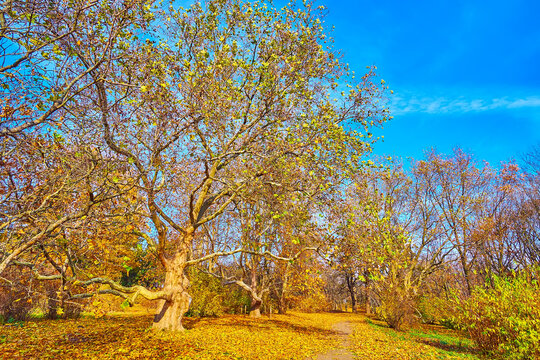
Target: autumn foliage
{"points": [[215, 161]]}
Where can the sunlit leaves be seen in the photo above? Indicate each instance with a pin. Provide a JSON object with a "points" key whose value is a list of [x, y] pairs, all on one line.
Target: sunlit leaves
{"points": [[297, 336]]}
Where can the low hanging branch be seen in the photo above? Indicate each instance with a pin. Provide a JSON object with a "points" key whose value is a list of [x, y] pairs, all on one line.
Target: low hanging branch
{"points": [[130, 293], [135, 290]]}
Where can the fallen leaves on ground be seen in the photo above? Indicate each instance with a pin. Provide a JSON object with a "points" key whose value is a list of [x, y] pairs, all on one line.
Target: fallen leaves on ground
{"points": [[292, 336]]}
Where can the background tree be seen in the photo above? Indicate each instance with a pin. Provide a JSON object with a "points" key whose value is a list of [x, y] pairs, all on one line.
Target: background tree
{"points": [[458, 187], [528, 225]]}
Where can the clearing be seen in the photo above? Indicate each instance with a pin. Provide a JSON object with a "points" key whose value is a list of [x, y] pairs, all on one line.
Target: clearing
{"points": [[293, 336]]}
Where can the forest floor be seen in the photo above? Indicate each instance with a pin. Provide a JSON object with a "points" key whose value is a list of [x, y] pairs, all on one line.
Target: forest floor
{"points": [[293, 336]]}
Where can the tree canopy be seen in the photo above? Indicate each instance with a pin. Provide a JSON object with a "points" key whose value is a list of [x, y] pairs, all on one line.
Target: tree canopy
{"points": [[156, 121]]}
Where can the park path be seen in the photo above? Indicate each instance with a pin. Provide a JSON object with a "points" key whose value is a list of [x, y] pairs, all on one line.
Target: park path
{"points": [[344, 329]]}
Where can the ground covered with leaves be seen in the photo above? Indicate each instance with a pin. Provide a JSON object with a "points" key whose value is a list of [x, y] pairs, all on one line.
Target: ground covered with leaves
{"points": [[292, 336]]}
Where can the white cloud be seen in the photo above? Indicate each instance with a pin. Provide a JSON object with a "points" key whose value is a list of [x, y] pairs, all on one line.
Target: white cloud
{"points": [[409, 104]]}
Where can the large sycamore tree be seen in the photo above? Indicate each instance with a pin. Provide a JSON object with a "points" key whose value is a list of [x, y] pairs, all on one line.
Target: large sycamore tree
{"points": [[201, 107]]}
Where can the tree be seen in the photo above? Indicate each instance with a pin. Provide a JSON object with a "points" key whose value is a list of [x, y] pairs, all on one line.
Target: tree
{"points": [[496, 235], [528, 229], [251, 270], [458, 187], [389, 237], [197, 111]]}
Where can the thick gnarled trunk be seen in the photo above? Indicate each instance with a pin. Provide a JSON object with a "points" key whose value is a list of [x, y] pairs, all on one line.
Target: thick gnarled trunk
{"points": [[255, 310], [172, 310]]}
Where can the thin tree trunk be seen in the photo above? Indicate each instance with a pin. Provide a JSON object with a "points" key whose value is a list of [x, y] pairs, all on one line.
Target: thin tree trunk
{"points": [[351, 285], [256, 301], [466, 272], [282, 305], [368, 295], [282, 298]]}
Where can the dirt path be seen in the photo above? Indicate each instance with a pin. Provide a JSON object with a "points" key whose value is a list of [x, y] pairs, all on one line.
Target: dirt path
{"points": [[344, 329]]}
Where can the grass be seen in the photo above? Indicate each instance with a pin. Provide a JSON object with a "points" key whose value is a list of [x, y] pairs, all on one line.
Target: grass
{"points": [[374, 339]]}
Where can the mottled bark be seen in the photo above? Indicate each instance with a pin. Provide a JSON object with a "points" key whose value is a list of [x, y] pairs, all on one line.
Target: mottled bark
{"points": [[255, 310], [256, 300], [171, 311]]}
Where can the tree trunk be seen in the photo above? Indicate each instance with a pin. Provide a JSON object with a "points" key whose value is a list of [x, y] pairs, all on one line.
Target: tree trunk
{"points": [[255, 310], [172, 310], [368, 293], [282, 305], [281, 297], [53, 302], [351, 282], [256, 300], [466, 272]]}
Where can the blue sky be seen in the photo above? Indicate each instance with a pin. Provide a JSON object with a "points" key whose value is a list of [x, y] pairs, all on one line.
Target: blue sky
{"points": [[464, 73]]}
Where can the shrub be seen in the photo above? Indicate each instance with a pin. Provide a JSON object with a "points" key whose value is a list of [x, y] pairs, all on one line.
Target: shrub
{"points": [[16, 308], [450, 323], [72, 310], [426, 311], [504, 320], [236, 300], [397, 307], [438, 309]]}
